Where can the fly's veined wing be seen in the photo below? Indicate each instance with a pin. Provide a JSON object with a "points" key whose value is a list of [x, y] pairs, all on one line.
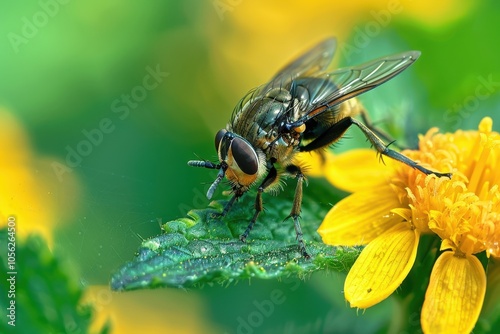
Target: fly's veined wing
{"points": [[352, 81], [311, 63]]}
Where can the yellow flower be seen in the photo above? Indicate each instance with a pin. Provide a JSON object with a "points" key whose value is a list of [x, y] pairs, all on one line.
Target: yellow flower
{"points": [[397, 204], [145, 311], [265, 35], [32, 195]]}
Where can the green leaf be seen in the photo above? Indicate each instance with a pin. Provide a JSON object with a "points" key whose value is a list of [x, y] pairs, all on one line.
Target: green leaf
{"points": [[204, 248]]}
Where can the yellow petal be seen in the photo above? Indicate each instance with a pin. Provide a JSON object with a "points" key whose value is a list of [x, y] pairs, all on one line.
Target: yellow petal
{"points": [[454, 296], [360, 217], [382, 266], [355, 170], [486, 125]]}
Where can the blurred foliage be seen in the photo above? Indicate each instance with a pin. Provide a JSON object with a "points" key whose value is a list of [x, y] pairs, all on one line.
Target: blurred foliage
{"points": [[206, 249], [47, 298], [456, 56]]}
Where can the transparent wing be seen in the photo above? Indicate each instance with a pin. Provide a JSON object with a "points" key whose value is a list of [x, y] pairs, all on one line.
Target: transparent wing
{"points": [[314, 61], [310, 64], [342, 84]]}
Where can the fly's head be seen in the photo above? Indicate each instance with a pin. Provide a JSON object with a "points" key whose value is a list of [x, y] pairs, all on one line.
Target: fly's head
{"points": [[239, 162]]}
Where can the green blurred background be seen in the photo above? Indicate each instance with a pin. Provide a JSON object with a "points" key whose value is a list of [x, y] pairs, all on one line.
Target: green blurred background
{"points": [[69, 67]]}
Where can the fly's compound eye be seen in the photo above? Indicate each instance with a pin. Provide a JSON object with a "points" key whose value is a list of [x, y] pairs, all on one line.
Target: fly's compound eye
{"points": [[218, 137], [240, 161], [245, 157]]}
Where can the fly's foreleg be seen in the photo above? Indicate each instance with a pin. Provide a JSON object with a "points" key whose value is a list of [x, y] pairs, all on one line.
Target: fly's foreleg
{"points": [[229, 205]]}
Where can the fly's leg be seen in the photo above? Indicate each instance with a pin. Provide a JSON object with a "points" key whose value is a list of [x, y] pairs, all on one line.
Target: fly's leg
{"points": [[336, 131], [220, 176], [270, 178], [228, 205], [296, 208], [379, 145], [381, 134]]}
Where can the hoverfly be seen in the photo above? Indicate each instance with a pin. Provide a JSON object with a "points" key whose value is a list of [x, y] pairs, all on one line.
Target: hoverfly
{"points": [[303, 108]]}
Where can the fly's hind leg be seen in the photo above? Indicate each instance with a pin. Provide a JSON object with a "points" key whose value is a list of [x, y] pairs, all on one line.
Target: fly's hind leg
{"points": [[333, 133], [381, 134], [379, 145], [296, 208]]}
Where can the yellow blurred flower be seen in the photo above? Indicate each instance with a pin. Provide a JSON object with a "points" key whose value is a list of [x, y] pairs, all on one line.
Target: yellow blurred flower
{"points": [[148, 311], [397, 204], [258, 35], [31, 192]]}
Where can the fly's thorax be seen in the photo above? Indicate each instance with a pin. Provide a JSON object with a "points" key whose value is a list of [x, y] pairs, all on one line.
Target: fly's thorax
{"points": [[259, 112], [243, 164]]}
